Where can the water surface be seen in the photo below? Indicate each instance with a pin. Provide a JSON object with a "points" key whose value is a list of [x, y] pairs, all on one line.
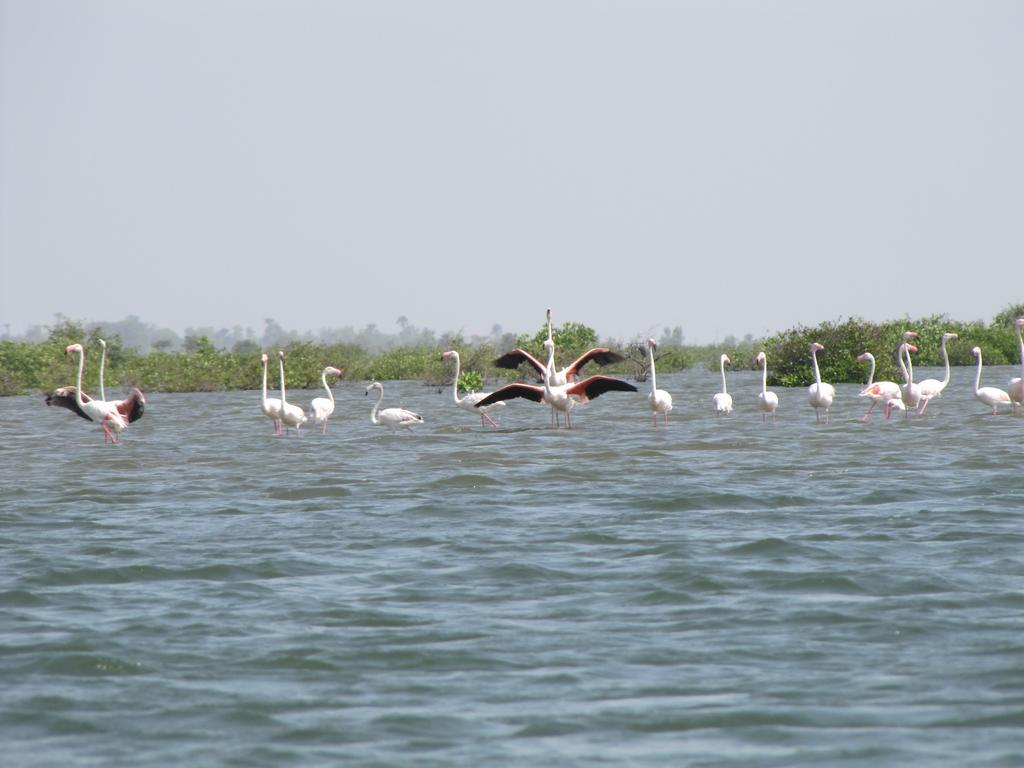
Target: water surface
{"points": [[720, 592]]}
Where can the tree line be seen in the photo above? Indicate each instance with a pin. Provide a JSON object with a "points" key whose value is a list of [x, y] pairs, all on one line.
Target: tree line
{"points": [[201, 366]]}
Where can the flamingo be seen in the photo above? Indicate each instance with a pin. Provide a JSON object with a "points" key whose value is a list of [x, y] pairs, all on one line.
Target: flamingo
{"points": [[990, 396], [723, 400], [562, 397], [1016, 388], [472, 398], [557, 378], [819, 394], [271, 406], [106, 414], [767, 401], [933, 387], [878, 391], [322, 407], [910, 393], [133, 406], [291, 415], [894, 404], [660, 400], [392, 418]]}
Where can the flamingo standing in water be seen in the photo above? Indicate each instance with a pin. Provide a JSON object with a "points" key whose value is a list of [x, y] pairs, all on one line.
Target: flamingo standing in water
{"points": [[933, 387], [558, 377], [879, 391], [322, 407], [910, 393], [659, 400], [993, 397], [563, 398], [767, 401], [291, 414], [271, 406], [105, 414], [723, 400], [392, 418], [472, 398], [820, 394], [1016, 388], [133, 406]]}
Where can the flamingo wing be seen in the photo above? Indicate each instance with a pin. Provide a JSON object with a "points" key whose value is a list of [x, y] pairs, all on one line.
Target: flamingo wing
{"points": [[509, 391], [133, 406], [599, 355], [594, 386], [518, 356], [65, 398]]}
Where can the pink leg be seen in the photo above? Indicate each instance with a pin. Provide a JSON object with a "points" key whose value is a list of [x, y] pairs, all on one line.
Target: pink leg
{"points": [[866, 415], [924, 405], [483, 416]]}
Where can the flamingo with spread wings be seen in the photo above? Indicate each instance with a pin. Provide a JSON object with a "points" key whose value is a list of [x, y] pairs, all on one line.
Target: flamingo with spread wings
{"points": [[563, 398], [562, 376], [112, 418]]}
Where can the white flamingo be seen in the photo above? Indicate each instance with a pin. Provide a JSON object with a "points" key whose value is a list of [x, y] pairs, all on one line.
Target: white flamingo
{"points": [[561, 398], [271, 406], [562, 376], [133, 406], [767, 401], [894, 404], [659, 400], [723, 400], [105, 414], [322, 407], [910, 393], [993, 397], [1016, 388], [820, 394], [879, 391], [392, 418], [291, 414], [469, 401], [933, 387]]}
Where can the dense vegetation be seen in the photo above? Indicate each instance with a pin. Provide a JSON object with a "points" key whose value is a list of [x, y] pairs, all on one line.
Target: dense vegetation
{"points": [[201, 366]]}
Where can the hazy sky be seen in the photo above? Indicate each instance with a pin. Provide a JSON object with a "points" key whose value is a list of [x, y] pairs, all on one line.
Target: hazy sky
{"points": [[729, 167]]}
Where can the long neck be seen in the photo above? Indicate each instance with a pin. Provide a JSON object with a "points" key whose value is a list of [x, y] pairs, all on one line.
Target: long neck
{"points": [[551, 366], [323, 378], [814, 358], [281, 365], [264, 382], [81, 367], [376, 405], [455, 383], [903, 365], [1020, 345], [871, 372], [654, 377], [977, 378], [764, 375], [721, 365], [945, 359], [103, 364], [910, 365]]}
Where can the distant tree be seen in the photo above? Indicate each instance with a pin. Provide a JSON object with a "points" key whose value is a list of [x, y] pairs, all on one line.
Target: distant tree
{"points": [[1009, 315]]}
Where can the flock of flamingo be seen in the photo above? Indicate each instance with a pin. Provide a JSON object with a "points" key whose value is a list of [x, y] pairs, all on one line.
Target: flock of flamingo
{"points": [[562, 390]]}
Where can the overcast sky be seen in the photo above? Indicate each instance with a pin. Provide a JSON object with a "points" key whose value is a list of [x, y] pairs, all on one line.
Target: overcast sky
{"points": [[729, 167]]}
